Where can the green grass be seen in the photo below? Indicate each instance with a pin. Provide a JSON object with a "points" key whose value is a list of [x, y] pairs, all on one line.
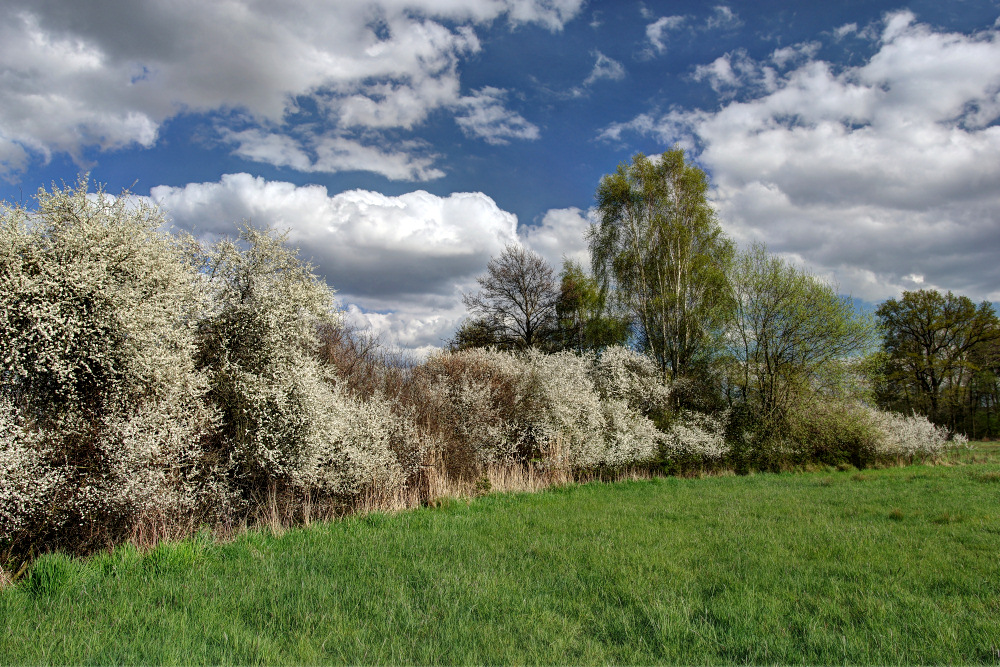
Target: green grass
{"points": [[876, 567]]}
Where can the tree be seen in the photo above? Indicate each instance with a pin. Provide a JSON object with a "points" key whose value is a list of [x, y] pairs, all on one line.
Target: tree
{"points": [[472, 333], [584, 324], [659, 249], [517, 298], [789, 332], [931, 340]]}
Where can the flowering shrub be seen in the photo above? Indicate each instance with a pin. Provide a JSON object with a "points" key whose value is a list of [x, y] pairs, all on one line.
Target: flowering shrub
{"points": [[622, 374], [474, 403], [103, 413], [500, 407], [696, 437], [909, 437]]}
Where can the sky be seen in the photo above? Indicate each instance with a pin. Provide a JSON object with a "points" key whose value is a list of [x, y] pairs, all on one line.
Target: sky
{"points": [[402, 143]]}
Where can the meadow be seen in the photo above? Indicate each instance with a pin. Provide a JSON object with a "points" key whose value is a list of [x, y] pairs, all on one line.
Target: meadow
{"points": [[888, 566]]}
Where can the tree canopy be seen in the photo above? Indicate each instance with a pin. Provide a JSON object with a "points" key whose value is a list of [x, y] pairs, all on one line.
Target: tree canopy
{"points": [[517, 298], [659, 249]]}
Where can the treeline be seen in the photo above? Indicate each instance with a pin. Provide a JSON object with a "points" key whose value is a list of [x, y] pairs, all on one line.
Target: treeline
{"points": [[151, 385], [738, 331]]}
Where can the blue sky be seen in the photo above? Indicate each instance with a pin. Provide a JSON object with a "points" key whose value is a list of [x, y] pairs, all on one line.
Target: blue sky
{"points": [[404, 142]]}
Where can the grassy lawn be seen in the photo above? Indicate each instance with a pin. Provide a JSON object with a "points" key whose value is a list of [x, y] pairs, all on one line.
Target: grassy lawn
{"points": [[887, 566]]}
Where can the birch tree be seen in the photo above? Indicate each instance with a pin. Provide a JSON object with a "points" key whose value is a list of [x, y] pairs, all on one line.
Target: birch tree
{"points": [[659, 249]]}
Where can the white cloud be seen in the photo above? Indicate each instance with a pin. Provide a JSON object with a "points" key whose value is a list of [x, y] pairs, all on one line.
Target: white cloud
{"points": [[79, 77], [845, 30], [872, 174], [723, 18], [484, 115], [720, 18], [560, 235], [400, 264], [656, 31], [331, 153], [605, 68], [402, 260]]}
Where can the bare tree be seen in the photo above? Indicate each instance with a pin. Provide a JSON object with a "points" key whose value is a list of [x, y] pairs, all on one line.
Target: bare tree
{"points": [[517, 297]]}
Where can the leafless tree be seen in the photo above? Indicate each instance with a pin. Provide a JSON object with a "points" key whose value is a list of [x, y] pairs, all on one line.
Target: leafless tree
{"points": [[517, 298]]}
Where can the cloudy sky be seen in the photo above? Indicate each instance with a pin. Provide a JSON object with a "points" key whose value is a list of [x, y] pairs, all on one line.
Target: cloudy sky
{"points": [[404, 142]]}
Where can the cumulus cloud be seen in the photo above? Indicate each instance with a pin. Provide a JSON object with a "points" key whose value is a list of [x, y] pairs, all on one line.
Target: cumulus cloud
{"points": [[560, 235], [404, 261], [79, 78], [871, 174], [399, 264]]}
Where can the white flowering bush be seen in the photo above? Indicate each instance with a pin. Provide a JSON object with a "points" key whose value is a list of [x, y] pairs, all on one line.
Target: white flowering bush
{"points": [[908, 436], [382, 449], [284, 421], [596, 429], [696, 437], [257, 348], [474, 404], [493, 407], [622, 374], [103, 413]]}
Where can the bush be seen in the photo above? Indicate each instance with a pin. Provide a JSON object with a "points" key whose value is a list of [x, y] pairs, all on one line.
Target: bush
{"points": [[102, 412], [835, 433], [696, 440], [909, 438], [562, 410]]}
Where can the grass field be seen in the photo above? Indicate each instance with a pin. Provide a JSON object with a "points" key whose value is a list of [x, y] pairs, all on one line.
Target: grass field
{"points": [[898, 565]]}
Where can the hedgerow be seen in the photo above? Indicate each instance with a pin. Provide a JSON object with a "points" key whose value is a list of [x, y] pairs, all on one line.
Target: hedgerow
{"points": [[145, 376]]}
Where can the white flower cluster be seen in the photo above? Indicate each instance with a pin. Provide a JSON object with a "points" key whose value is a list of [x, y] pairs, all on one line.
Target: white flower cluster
{"points": [[576, 411], [698, 435], [909, 437]]}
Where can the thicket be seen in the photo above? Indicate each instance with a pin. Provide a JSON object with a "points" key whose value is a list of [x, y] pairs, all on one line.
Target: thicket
{"points": [[151, 384]]}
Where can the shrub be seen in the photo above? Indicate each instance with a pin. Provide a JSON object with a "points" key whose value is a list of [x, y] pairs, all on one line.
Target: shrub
{"points": [[284, 420], [907, 437], [622, 374], [475, 403], [101, 403], [492, 407], [832, 432], [696, 439]]}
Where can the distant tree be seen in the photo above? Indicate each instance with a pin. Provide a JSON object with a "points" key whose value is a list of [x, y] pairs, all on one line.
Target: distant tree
{"points": [[517, 298], [659, 249], [932, 341], [584, 321], [790, 332], [472, 333]]}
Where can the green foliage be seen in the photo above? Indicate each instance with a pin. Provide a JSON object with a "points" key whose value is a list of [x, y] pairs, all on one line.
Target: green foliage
{"points": [[834, 433], [585, 325], [661, 251], [790, 334], [475, 332], [941, 356]]}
